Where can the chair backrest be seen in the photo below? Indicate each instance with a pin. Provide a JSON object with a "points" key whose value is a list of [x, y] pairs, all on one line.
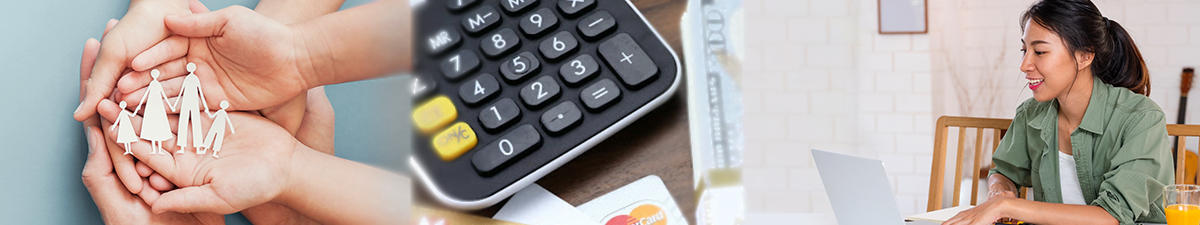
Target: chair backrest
{"points": [[1000, 126], [937, 174], [1181, 131]]}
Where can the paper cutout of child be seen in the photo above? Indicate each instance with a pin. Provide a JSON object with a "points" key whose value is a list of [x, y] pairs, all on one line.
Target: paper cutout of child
{"points": [[124, 129], [216, 132]]}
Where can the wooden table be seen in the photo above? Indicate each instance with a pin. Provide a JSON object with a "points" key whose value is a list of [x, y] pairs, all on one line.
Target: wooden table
{"points": [[657, 144]]}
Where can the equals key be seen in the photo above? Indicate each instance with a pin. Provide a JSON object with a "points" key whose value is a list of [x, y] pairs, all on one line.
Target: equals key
{"points": [[600, 94]]}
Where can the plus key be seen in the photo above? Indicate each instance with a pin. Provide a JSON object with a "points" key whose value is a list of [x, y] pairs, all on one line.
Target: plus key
{"points": [[626, 57]]}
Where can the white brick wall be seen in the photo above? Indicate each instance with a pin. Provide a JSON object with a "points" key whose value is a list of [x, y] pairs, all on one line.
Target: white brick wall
{"points": [[843, 88]]}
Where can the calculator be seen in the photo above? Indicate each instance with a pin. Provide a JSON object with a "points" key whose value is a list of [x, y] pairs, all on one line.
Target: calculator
{"points": [[506, 91]]}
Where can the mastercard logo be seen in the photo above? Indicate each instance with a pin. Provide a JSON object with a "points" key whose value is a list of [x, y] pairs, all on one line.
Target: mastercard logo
{"points": [[645, 214]]}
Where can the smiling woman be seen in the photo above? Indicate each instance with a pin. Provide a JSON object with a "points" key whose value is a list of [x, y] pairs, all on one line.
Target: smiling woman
{"points": [[1090, 145]]}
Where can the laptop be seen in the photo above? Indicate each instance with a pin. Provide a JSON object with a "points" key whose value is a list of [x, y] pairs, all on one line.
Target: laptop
{"points": [[859, 191]]}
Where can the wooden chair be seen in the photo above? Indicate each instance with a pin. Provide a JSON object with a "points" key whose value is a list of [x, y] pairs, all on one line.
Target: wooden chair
{"points": [[1186, 165], [1185, 161], [937, 174]]}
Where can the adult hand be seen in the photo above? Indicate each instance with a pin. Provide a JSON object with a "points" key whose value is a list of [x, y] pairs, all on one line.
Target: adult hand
{"points": [[116, 203], [986, 213], [141, 28], [253, 167], [123, 164], [241, 56]]}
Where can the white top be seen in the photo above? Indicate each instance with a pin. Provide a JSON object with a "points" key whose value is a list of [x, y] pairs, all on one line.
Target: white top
{"points": [[1069, 180]]}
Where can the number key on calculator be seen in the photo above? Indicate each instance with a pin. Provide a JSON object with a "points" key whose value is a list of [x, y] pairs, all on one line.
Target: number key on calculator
{"points": [[506, 91]]}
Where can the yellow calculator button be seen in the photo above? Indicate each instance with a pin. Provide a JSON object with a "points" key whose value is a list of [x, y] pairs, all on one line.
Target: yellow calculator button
{"points": [[434, 114], [454, 141]]}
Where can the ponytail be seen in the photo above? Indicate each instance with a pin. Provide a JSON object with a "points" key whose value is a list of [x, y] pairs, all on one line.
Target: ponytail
{"points": [[1116, 62], [1123, 65]]}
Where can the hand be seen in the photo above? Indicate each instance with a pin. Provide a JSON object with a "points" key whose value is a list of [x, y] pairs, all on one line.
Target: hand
{"points": [[116, 203], [986, 213], [123, 164], [253, 167], [142, 27], [308, 116], [240, 56]]}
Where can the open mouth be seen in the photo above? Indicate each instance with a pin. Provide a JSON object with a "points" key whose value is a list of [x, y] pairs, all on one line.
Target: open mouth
{"points": [[1034, 83]]}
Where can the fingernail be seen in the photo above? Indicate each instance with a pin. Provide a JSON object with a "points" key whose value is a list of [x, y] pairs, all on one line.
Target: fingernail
{"points": [[88, 131], [77, 108]]}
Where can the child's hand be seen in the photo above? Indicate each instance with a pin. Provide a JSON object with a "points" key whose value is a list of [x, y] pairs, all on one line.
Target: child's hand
{"points": [[140, 28]]}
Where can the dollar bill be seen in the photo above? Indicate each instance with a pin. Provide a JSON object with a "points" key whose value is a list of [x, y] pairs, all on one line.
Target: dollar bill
{"points": [[712, 42]]}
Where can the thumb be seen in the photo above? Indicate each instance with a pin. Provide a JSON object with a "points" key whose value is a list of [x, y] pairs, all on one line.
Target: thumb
{"points": [[204, 24], [97, 165], [193, 199]]}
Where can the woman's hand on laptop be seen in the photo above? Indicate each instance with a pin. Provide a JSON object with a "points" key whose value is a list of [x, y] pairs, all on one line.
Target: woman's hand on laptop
{"points": [[986, 213]]}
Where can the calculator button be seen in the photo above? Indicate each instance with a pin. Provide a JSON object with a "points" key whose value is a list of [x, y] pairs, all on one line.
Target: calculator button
{"points": [[422, 86], [538, 92], [519, 66], [574, 7], [558, 45], [480, 20], [456, 5], [460, 64], [600, 94], [516, 6], [434, 114], [503, 151], [499, 43], [597, 24], [579, 69], [454, 141], [537, 23], [626, 57], [442, 40], [562, 117], [481, 88], [500, 114]]}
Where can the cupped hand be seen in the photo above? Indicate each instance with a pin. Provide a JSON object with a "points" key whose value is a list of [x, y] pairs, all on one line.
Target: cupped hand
{"points": [[141, 27], [253, 167], [116, 202], [241, 56]]}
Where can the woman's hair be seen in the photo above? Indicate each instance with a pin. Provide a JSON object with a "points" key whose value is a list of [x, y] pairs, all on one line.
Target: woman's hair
{"points": [[1117, 60]]}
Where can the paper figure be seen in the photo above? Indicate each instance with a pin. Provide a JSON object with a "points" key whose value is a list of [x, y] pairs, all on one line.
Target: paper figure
{"points": [[124, 129], [216, 132], [154, 122], [192, 97]]}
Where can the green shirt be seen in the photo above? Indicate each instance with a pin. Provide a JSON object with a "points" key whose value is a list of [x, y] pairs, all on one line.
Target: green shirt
{"points": [[1121, 153]]}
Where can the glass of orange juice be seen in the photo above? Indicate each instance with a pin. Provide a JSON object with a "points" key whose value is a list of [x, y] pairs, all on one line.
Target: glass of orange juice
{"points": [[1182, 203]]}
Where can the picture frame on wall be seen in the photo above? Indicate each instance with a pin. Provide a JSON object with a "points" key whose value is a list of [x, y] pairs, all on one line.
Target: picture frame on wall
{"points": [[903, 16]]}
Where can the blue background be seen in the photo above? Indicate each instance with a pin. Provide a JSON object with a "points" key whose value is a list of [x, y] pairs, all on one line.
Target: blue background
{"points": [[42, 149]]}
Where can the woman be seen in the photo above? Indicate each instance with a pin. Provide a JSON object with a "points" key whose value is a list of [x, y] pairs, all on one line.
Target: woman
{"points": [[1090, 145]]}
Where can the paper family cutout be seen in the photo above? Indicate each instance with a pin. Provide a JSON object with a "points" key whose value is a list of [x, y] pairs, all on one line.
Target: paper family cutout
{"points": [[154, 121]]}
